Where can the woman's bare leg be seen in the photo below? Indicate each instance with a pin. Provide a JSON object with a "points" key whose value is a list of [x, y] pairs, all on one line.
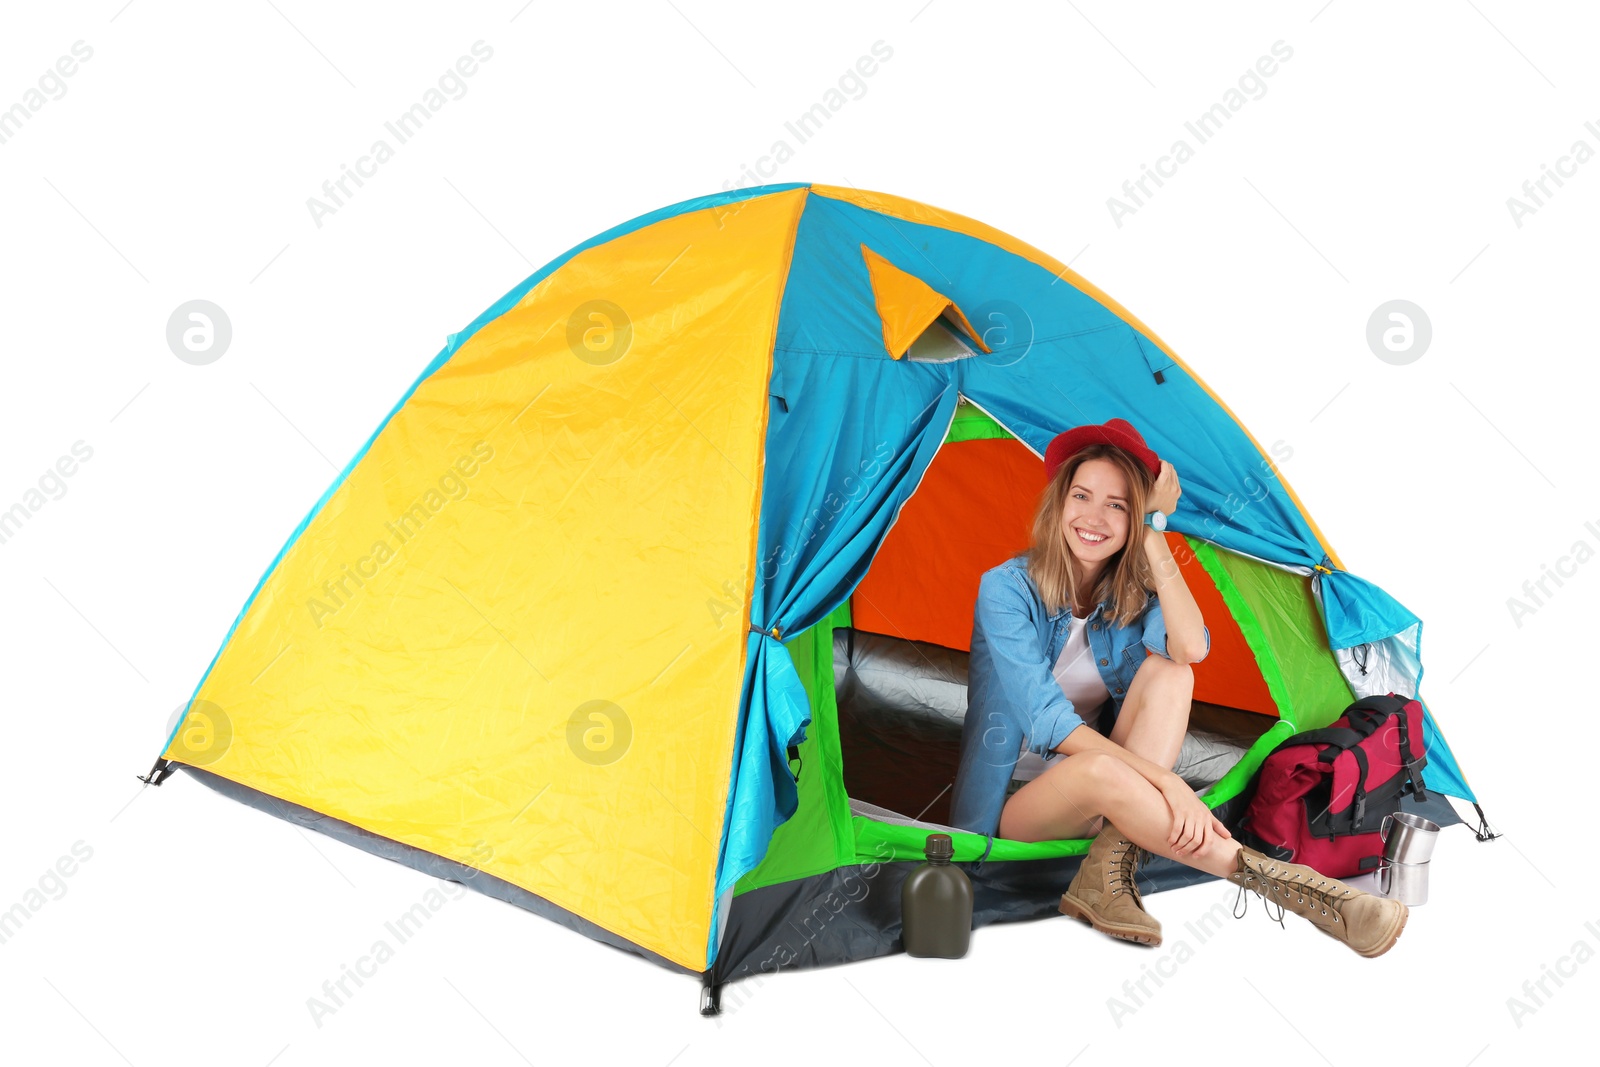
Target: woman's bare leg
{"points": [[1155, 713], [1069, 799]]}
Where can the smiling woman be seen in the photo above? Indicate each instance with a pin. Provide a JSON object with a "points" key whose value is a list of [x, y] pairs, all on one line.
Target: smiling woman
{"points": [[1117, 783], [1088, 555]]}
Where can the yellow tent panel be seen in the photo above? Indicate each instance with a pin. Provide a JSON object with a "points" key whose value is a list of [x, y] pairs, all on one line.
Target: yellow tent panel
{"points": [[535, 571]]}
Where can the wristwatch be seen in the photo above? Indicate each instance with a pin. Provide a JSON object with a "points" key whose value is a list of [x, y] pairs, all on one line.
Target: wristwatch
{"points": [[1156, 520]]}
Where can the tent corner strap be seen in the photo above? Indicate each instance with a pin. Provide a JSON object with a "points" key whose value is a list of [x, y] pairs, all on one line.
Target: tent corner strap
{"points": [[159, 772]]}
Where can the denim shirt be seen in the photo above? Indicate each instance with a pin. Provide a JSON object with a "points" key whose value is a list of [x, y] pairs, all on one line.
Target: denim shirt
{"points": [[1013, 698]]}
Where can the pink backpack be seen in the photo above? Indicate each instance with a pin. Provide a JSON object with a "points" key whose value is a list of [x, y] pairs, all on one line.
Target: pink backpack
{"points": [[1321, 796]]}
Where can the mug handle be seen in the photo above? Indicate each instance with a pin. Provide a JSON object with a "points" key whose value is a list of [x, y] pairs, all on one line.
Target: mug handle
{"points": [[1383, 828]]}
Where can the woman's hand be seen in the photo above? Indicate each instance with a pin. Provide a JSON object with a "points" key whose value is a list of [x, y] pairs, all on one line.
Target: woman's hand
{"points": [[1193, 824], [1166, 491]]}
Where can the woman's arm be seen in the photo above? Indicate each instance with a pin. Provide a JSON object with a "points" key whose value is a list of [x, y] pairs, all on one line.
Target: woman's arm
{"points": [[1186, 636]]}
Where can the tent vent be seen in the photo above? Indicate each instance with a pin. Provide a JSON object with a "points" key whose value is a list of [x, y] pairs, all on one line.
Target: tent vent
{"points": [[939, 343]]}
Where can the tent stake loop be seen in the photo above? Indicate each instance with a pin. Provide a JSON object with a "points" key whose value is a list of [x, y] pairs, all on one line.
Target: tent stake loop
{"points": [[159, 773]]}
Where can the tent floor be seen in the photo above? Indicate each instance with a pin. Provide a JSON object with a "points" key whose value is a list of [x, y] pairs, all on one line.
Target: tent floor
{"points": [[853, 912]]}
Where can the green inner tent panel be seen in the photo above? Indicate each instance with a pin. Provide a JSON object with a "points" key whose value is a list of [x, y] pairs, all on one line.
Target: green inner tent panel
{"points": [[1286, 613], [1278, 616], [971, 424], [818, 838]]}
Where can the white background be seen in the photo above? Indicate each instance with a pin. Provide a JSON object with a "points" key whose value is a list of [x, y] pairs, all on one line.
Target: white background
{"points": [[1376, 166]]}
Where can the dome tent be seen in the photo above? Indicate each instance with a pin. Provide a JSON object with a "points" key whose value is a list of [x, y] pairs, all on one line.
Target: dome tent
{"points": [[646, 608]]}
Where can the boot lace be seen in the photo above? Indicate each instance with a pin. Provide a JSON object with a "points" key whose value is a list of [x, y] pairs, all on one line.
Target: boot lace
{"points": [[1325, 894], [1127, 857], [1241, 905]]}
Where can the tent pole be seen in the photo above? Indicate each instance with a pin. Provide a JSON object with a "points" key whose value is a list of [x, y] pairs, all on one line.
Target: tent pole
{"points": [[710, 995]]}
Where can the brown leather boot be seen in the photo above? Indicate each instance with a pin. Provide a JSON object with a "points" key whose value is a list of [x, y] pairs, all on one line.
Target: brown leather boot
{"points": [[1369, 924], [1103, 892]]}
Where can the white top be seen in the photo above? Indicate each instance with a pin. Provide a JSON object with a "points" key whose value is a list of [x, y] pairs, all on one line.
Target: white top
{"points": [[1080, 680]]}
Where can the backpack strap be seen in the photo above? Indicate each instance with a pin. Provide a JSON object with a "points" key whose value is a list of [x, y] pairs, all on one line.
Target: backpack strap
{"points": [[1365, 717], [1412, 764], [1388, 703], [1358, 810], [1336, 739], [1369, 713], [1312, 737]]}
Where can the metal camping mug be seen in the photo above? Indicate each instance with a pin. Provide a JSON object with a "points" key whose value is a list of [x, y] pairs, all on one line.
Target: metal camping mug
{"points": [[1408, 838], [1405, 882]]}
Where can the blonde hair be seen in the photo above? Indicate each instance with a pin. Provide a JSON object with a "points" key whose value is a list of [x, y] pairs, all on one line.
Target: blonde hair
{"points": [[1127, 578]]}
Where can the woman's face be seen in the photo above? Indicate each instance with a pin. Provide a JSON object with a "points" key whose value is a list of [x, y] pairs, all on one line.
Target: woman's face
{"points": [[1095, 519]]}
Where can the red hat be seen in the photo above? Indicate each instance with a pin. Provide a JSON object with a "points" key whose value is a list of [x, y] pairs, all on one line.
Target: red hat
{"points": [[1112, 432]]}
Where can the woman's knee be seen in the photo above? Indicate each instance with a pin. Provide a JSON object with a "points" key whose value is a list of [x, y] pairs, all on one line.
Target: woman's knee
{"points": [[1168, 672], [1100, 772]]}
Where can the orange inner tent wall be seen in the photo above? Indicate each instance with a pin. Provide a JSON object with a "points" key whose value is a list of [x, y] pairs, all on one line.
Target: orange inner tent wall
{"points": [[974, 510]]}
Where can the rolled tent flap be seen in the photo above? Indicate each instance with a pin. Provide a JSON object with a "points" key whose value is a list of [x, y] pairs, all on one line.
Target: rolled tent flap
{"points": [[764, 794], [844, 454], [1356, 612]]}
